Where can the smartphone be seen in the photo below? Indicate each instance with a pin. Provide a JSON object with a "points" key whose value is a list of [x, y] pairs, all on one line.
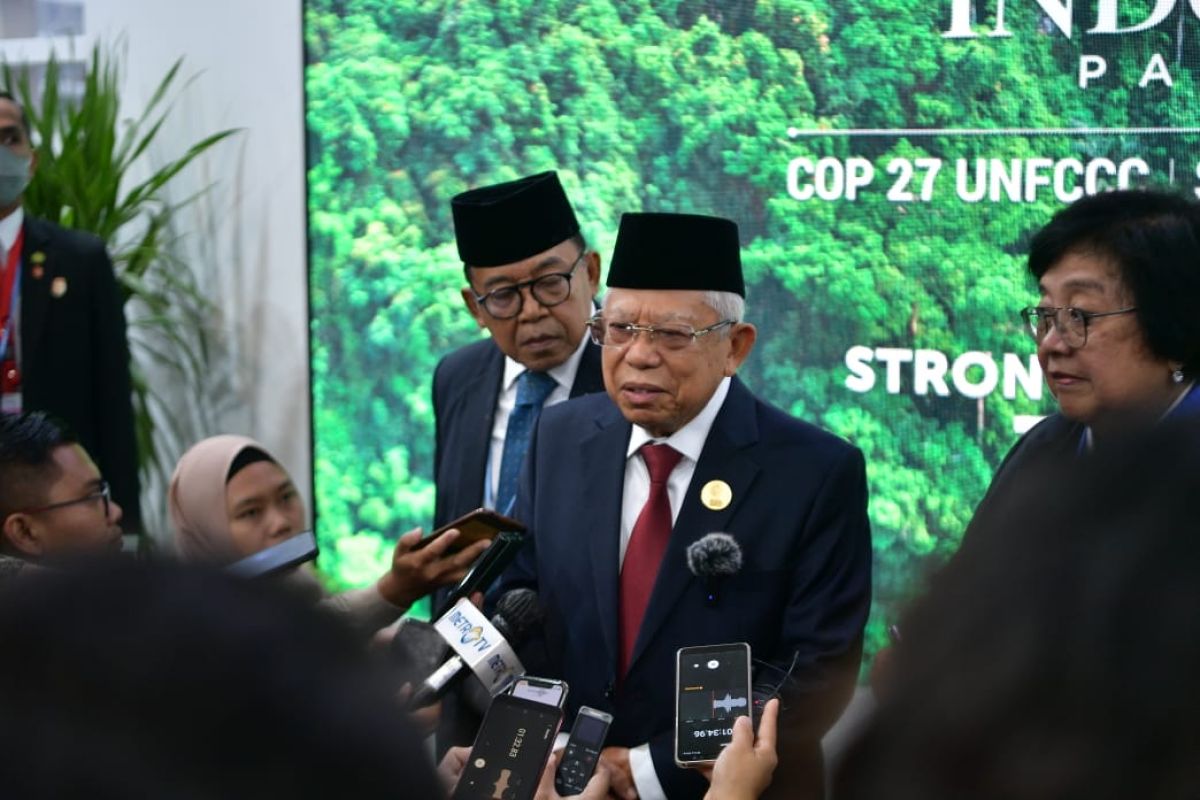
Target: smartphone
{"points": [[712, 689], [487, 568], [582, 752], [276, 558], [510, 751], [482, 523], [542, 690]]}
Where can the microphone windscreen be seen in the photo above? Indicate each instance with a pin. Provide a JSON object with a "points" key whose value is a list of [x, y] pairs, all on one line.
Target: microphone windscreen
{"points": [[518, 614], [416, 650], [714, 555]]}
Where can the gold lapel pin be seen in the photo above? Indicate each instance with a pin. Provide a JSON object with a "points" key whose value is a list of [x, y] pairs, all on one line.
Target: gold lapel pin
{"points": [[37, 257], [58, 287], [716, 495]]}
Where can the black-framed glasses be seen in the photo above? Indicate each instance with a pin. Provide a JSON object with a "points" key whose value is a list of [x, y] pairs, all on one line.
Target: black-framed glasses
{"points": [[102, 493], [549, 290], [1070, 322], [668, 337]]}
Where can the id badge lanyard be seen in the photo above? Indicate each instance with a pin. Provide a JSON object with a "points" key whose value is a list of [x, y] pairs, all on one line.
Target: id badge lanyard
{"points": [[10, 301]]}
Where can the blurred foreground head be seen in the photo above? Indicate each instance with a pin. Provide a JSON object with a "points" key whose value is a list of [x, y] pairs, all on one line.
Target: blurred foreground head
{"points": [[135, 682], [1057, 655]]}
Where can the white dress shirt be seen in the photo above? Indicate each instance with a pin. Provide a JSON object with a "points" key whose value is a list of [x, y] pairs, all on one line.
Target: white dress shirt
{"points": [[563, 375], [688, 440], [10, 226]]}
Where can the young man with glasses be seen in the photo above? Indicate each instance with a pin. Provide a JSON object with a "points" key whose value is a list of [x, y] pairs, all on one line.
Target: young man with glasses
{"points": [[531, 284], [53, 500], [618, 486]]}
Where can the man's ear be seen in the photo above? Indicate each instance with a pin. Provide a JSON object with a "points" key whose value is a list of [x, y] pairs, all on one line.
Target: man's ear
{"points": [[741, 341], [593, 272], [20, 536]]}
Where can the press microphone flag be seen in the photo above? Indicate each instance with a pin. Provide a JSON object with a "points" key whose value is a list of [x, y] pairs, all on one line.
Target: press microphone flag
{"points": [[484, 647]]}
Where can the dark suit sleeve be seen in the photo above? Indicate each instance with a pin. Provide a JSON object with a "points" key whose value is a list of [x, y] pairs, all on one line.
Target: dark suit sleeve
{"points": [[112, 390], [830, 599]]}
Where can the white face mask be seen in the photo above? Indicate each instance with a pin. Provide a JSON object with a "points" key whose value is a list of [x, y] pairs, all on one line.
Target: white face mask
{"points": [[14, 175]]}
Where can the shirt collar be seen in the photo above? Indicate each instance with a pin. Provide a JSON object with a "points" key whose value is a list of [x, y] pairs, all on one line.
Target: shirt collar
{"points": [[689, 439], [10, 226], [563, 374]]}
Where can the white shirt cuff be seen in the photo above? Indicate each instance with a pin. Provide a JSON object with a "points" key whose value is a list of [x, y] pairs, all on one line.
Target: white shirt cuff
{"points": [[641, 764]]}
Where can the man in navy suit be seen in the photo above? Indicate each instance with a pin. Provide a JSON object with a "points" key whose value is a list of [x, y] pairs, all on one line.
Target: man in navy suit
{"points": [[530, 283], [617, 486]]}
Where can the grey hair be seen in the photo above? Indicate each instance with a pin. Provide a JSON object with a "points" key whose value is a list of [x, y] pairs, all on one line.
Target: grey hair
{"points": [[727, 304]]}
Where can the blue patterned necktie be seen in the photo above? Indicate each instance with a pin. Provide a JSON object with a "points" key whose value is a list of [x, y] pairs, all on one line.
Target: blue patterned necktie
{"points": [[532, 390]]}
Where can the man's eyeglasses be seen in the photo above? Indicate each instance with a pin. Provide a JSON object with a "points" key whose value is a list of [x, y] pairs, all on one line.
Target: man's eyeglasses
{"points": [[102, 493], [668, 337], [549, 290], [1071, 323]]}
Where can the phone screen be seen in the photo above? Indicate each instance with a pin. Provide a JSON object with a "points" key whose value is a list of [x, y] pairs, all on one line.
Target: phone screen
{"points": [[712, 689], [540, 691], [510, 751]]}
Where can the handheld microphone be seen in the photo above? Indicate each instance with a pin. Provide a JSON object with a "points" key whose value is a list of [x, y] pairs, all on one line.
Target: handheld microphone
{"points": [[416, 650], [712, 557], [482, 647]]}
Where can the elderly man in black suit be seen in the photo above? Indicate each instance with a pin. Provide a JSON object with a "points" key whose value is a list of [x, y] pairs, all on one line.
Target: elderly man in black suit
{"points": [[62, 327], [618, 487]]}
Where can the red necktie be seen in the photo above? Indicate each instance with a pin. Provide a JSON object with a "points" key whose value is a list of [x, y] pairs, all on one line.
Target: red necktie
{"points": [[647, 544]]}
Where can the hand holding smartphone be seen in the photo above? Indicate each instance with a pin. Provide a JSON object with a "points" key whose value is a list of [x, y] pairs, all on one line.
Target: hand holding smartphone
{"points": [[475, 526], [712, 689], [510, 751]]}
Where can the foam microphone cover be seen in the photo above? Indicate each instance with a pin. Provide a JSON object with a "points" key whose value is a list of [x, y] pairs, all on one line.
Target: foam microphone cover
{"points": [[416, 650]]}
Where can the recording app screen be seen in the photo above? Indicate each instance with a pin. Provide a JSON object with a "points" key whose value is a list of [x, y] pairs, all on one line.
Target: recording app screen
{"points": [[713, 691], [510, 751]]}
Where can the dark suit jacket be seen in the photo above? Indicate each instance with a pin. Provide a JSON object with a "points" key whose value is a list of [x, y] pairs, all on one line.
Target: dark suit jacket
{"points": [[75, 357], [1054, 440], [799, 511], [465, 387]]}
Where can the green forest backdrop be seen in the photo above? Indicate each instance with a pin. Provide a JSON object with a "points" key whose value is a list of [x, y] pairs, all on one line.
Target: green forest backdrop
{"points": [[686, 106]]}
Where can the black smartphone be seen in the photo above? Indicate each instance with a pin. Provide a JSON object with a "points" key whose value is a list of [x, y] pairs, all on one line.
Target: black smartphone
{"points": [[482, 523], [276, 558], [510, 751], [486, 569], [712, 689], [582, 752]]}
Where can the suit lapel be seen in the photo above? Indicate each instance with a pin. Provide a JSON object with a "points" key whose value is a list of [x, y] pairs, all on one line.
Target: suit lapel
{"points": [[723, 458], [588, 377], [35, 291], [602, 456], [479, 408]]}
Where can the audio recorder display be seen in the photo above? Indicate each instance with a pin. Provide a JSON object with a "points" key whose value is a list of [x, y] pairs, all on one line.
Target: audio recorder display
{"points": [[712, 690]]}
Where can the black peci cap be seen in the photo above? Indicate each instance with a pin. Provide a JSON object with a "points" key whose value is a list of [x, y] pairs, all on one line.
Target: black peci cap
{"points": [[507, 222], [677, 251]]}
